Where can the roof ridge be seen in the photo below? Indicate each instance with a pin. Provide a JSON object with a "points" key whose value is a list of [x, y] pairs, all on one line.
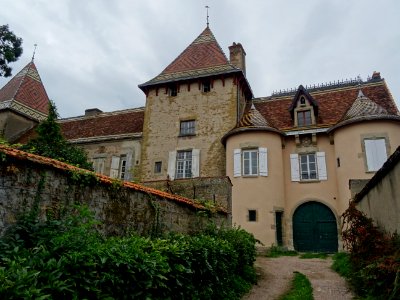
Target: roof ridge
{"points": [[102, 114]]}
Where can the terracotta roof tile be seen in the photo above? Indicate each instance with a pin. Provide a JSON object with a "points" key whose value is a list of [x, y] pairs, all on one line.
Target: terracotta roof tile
{"points": [[202, 57], [128, 121], [55, 164], [27, 88], [333, 103]]}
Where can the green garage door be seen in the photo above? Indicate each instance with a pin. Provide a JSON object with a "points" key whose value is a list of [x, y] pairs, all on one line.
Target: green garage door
{"points": [[314, 228]]}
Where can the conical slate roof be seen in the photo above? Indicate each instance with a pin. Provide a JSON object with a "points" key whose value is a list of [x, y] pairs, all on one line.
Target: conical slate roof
{"points": [[252, 120], [364, 109], [203, 57], [26, 94]]}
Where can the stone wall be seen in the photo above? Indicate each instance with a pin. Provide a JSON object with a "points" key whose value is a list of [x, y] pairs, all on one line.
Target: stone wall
{"points": [[27, 180], [216, 190], [380, 198]]}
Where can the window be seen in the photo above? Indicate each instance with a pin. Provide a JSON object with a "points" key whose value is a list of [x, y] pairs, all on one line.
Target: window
{"points": [[172, 91], [98, 164], [206, 86], [304, 118], [187, 127], [157, 167], [308, 166], [252, 215], [119, 167], [375, 153], [250, 162], [184, 164], [122, 167]]}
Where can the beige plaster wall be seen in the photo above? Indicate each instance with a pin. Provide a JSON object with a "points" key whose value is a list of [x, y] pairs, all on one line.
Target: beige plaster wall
{"points": [[129, 147], [297, 193], [382, 202], [348, 147], [215, 113], [13, 125], [263, 194]]}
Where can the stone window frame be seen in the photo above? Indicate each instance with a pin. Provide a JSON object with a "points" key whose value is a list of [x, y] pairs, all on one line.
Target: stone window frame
{"points": [[303, 107], [157, 167]]}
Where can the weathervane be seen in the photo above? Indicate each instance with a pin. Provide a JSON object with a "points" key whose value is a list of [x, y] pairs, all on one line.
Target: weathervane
{"points": [[207, 7], [34, 51]]}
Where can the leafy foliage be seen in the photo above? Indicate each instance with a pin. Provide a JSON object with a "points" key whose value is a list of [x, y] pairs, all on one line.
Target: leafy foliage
{"points": [[51, 143], [68, 259], [374, 256], [10, 50]]}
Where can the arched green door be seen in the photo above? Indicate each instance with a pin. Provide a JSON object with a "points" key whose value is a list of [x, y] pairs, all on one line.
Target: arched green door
{"points": [[314, 228]]}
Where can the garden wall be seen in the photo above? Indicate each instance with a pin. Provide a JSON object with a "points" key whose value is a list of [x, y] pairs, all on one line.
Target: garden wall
{"points": [[380, 198], [28, 181]]}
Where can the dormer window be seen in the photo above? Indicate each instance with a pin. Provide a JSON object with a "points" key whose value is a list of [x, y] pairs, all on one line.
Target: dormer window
{"points": [[304, 109], [304, 118]]}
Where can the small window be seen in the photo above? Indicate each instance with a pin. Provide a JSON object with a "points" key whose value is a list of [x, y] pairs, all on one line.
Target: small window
{"points": [[302, 101], [304, 118], [122, 167], [157, 167], [250, 162], [172, 91], [187, 127], [206, 86], [184, 164], [252, 215], [308, 166], [375, 153]]}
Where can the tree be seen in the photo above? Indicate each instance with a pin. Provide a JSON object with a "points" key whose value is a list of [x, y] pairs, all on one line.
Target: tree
{"points": [[51, 143], [10, 50]]}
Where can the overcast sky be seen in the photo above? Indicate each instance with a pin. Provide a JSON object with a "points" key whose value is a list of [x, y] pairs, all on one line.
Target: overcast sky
{"points": [[94, 53]]}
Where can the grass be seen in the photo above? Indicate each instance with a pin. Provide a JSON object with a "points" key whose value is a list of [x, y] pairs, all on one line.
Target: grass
{"points": [[341, 264], [313, 255], [301, 289], [276, 251]]}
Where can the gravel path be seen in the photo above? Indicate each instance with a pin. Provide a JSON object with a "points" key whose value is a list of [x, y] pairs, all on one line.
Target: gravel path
{"points": [[276, 275]]}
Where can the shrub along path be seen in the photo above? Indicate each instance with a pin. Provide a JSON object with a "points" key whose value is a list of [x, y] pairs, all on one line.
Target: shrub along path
{"points": [[276, 275]]}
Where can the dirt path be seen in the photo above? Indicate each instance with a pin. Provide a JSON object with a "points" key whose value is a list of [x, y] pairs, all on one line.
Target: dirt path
{"points": [[276, 275]]}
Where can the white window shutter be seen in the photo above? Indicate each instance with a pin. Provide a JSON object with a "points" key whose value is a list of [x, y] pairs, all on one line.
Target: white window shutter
{"points": [[375, 151], [294, 167], [171, 164], [321, 164], [114, 167], [263, 161], [237, 163], [196, 163]]}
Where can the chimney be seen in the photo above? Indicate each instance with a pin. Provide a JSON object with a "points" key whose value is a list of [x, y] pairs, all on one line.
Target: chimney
{"points": [[376, 75], [237, 56], [92, 112]]}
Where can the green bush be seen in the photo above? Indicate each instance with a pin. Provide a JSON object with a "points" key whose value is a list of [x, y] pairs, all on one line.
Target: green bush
{"points": [[68, 259], [374, 256]]}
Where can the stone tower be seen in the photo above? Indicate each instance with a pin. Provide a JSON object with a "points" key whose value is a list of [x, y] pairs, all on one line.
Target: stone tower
{"points": [[189, 107]]}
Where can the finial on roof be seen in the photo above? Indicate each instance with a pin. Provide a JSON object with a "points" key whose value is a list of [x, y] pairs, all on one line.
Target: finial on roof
{"points": [[207, 7], [34, 51]]}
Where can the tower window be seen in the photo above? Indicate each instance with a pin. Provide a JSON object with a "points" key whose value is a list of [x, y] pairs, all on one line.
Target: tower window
{"points": [[187, 127], [206, 86], [172, 91], [157, 167], [252, 215]]}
